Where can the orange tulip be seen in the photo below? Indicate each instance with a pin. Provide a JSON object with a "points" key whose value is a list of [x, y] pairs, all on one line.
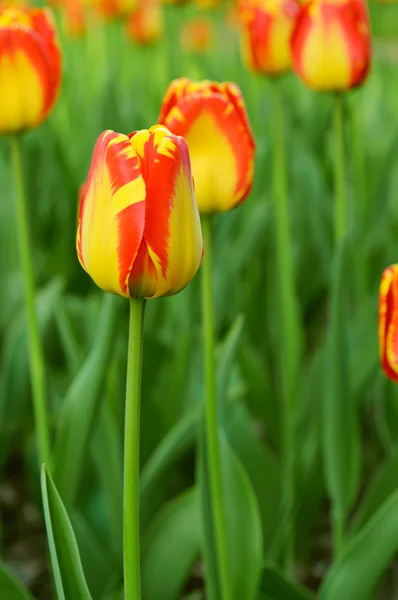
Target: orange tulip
{"points": [[30, 68], [388, 322], [267, 26], [145, 25], [139, 231], [74, 18], [331, 44], [196, 35], [212, 118], [114, 9]]}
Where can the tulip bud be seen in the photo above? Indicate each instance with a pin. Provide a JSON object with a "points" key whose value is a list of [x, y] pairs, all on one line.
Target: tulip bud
{"points": [[267, 26], [388, 322], [139, 231], [145, 24], [30, 68], [212, 118], [331, 44], [74, 18]]}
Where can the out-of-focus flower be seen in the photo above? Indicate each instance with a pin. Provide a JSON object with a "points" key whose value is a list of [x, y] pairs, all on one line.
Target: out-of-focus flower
{"points": [[196, 35], [145, 24], [114, 9], [30, 68], [331, 44], [267, 27], [388, 322], [74, 18], [212, 118], [206, 4], [139, 231]]}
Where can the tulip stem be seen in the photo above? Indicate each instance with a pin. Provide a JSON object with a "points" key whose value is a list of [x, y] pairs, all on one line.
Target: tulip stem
{"points": [[211, 419], [289, 325], [340, 207], [36, 362], [131, 513]]}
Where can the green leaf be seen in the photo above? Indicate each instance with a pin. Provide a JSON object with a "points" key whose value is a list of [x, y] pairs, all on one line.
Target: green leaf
{"points": [[366, 557], [10, 587], [170, 547], [243, 525], [383, 484], [340, 427], [80, 405], [275, 587], [67, 568]]}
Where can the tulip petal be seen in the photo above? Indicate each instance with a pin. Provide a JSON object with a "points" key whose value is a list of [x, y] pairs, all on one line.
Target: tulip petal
{"points": [[172, 231], [221, 148], [112, 214], [43, 23], [388, 322]]}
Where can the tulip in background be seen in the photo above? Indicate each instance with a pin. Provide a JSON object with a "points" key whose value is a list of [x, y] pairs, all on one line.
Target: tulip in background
{"points": [[331, 44], [197, 35], [388, 322], [267, 26], [145, 24], [212, 118], [74, 18], [30, 77], [138, 236]]}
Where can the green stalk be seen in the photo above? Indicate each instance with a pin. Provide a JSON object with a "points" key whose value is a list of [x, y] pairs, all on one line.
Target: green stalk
{"points": [[289, 325], [211, 420], [131, 513], [34, 345], [340, 206]]}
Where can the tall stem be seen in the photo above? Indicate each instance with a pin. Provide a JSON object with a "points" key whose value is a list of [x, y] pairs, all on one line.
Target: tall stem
{"points": [[289, 324], [34, 344], [340, 206], [131, 513], [211, 419]]}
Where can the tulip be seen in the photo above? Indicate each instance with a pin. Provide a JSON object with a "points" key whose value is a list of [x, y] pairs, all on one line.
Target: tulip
{"points": [[331, 44], [212, 118], [267, 26], [388, 322], [74, 18], [114, 9], [145, 25], [139, 232], [196, 35], [30, 68]]}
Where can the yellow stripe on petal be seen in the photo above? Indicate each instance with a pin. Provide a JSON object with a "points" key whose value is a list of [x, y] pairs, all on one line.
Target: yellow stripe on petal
{"points": [[21, 95], [325, 57]]}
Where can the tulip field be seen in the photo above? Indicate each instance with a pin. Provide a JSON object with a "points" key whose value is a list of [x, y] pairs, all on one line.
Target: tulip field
{"points": [[199, 300]]}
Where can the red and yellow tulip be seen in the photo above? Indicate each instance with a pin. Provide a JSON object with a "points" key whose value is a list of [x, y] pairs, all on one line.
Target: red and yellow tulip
{"points": [[331, 44], [145, 24], [388, 322], [30, 68], [212, 118], [267, 26], [74, 18], [139, 231], [196, 35]]}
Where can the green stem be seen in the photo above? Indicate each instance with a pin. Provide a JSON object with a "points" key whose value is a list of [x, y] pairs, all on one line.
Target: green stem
{"points": [[289, 324], [131, 529], [340, 207], [338, 533], [211, 420], [34, 345]]}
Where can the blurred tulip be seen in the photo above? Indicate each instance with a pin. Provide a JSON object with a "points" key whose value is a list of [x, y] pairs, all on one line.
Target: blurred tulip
{"points": [[331, 44], [113, 9], [267, 27], [139, 231], [145, 24], [388, 322], [212, 118], [196, 35], [74, 18], [30, 68]]}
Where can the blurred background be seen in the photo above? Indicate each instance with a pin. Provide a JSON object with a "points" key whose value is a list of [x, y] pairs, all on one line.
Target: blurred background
{"points": [[115, 73]]}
